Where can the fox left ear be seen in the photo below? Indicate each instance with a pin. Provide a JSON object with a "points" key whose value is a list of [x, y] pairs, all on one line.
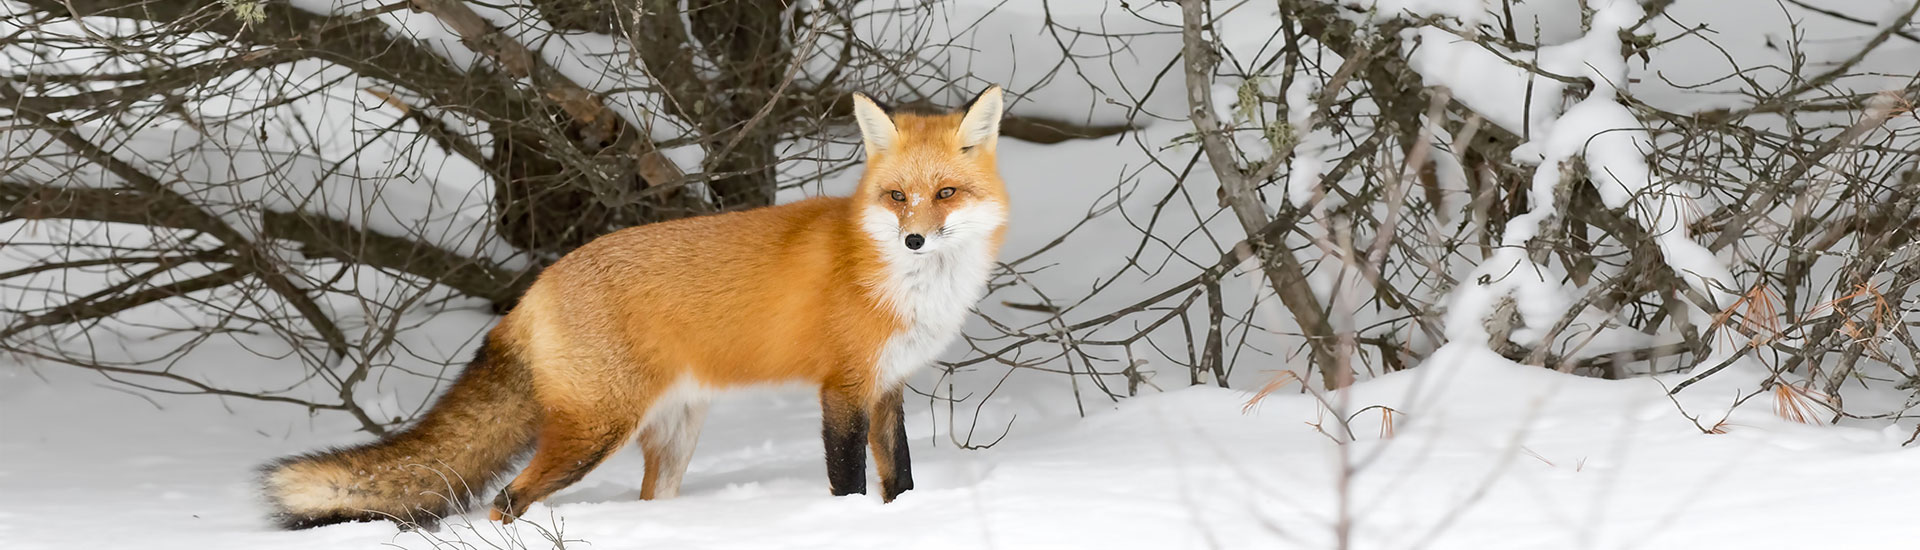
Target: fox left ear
{"points": [[980, 127], [876, 124]]}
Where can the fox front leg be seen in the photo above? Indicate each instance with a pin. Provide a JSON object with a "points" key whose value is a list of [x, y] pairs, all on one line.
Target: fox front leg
{"points": [[843, 427], [887, 434]]}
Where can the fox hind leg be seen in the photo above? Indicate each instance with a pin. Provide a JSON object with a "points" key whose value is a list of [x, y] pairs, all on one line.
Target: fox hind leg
{"points": [[572, 441], [668, 441]]}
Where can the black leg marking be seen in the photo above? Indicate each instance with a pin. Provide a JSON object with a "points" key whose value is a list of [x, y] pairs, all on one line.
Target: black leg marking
{"points": [[889, 443], [902, 479], [844, 430]]}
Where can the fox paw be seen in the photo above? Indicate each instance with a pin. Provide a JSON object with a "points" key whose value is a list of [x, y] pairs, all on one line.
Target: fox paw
{"points": [[507, 508]]}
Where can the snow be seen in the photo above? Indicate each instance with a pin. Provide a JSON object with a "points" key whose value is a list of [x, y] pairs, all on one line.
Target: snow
{"points": [[1483, 454], [1469, 12], [1303, 179], [1597, 129], [1485, 82]]}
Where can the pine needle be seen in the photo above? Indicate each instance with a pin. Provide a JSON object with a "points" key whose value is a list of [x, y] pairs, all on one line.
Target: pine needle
{"points": [[1536, 456], [1759, 311], [1879, 312], [1796, 404], [1285, 377]]}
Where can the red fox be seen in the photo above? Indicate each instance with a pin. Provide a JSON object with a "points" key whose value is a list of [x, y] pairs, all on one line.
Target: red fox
{"points": [[633, 331]]}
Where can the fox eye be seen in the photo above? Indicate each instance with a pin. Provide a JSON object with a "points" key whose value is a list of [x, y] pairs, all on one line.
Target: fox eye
{"points": [[945, 192], [898, 196]]}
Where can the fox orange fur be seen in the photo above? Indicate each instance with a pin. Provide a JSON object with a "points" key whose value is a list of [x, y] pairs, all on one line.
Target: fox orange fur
{"points": [[632, 332]]}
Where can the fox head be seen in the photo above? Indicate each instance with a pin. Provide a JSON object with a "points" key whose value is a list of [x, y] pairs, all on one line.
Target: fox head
{"points": [[931, 185]]}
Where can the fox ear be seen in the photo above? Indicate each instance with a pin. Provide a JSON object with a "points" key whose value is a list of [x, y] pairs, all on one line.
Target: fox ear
{"points": [[876, 127], [980, 128]]}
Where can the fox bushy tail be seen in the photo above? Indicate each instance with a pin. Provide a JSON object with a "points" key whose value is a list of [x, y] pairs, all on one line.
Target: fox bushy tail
{"points": [[436, 467]]}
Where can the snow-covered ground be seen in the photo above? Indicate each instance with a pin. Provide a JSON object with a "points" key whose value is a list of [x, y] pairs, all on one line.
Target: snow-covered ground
{"points": [[1478, 453], [1483, 454]]}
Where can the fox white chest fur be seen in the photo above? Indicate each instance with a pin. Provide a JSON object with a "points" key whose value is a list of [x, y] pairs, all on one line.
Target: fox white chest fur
{"points": [[932, 289]]}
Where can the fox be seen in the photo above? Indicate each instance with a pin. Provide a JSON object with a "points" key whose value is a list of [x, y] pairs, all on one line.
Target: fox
{"points": [[631, 334]]}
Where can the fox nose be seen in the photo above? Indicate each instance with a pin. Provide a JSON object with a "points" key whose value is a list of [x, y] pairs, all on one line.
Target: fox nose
{"points": [[915, 241]]}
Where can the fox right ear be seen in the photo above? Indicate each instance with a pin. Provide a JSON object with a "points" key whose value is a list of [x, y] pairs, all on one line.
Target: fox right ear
{"points": [[876, 127]]}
